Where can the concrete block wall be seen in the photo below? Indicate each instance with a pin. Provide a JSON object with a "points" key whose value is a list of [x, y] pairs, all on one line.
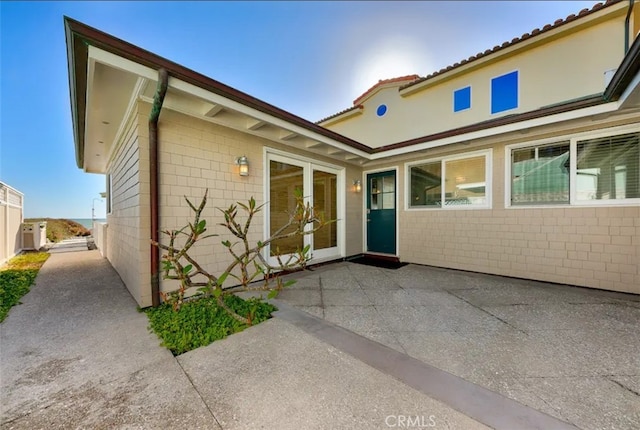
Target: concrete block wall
{"points": [[597, 246], [196, 155], [591, 247]]}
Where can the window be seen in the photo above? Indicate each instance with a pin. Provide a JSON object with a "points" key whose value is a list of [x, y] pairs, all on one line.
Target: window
{"points": [[608, 168], [461, 181], [109, 198], [504, 92], [577, 171], [462, 99], [540, 174]]}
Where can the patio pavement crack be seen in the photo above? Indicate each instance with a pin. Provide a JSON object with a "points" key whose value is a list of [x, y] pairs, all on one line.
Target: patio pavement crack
{"points": [[199, 394], [487, 312], [321, 296], [620, 384]]}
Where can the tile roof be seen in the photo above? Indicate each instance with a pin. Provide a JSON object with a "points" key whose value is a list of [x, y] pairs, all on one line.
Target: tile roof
{"points": [[356, 102], [382, 82], [349, 109], [535, 32]]}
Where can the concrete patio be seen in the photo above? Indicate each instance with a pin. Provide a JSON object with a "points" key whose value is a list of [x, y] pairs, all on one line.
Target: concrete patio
{"points": [[76, 354], [570, 352]]}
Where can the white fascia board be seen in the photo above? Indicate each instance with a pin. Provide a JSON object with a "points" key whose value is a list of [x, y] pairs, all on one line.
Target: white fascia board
{"points": [[633, 85], [493, 131], [261, 116], [123, 64]]}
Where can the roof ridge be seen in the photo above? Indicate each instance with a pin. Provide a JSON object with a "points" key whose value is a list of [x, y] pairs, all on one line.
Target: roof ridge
{"points": [[356, 102], [383, 82], [535, 32]]}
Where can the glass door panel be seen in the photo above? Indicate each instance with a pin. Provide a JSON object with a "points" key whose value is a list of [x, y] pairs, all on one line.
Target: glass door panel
{"points": [[325, 202], [285, 179]]}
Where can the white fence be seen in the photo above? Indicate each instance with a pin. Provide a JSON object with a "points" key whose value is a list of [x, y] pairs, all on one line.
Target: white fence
{"points": [[99, 233], [11, 216]]}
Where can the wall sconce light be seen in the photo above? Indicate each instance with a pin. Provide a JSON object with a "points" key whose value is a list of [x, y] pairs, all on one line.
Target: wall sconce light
{"points": [[243, 162], [357, 185]]}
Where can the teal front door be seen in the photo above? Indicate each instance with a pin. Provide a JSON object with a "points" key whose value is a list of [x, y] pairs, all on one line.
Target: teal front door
{"points": [[381, 212]]}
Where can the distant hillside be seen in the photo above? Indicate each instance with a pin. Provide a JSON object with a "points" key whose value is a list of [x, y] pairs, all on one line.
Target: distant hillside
{"points": [[60, 229]]}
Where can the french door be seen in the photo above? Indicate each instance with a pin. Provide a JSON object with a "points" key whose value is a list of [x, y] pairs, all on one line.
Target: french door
{"points": [[320, 186]]}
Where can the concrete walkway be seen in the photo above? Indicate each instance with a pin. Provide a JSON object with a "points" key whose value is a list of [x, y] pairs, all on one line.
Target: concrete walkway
{"points": [[77, 354], [73, 244]]}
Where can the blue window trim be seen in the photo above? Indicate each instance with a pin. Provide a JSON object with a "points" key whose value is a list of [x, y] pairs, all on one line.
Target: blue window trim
{"points": [[505, 91], [462, 99]]}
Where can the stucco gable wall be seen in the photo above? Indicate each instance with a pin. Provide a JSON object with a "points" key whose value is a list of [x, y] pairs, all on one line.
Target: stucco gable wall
{"points": [[560, 70]]}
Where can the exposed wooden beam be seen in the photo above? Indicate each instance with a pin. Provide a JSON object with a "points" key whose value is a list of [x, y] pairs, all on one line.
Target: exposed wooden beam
{"points": [[254, 124], [288, 135], [212, 110], [314, 144]]}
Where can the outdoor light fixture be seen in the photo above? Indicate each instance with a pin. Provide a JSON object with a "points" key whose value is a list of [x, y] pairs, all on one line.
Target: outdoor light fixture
{"points": [[244, 165], [357, 185]]}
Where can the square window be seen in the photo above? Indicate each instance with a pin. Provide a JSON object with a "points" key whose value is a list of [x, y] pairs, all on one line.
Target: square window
{"points": [[462, 99], [504, 92], [540, 174], [608, 168], [451, 182]]}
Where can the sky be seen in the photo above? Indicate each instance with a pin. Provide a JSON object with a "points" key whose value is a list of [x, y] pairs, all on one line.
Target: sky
{"points": [[309, 58]]}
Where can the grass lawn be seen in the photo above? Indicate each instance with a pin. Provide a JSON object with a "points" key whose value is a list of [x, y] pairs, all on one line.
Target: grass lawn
{"points": [[16, 277], [200, 322]]}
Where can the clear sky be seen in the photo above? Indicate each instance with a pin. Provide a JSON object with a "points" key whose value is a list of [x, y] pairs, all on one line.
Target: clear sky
{"points": [[310, 58]]}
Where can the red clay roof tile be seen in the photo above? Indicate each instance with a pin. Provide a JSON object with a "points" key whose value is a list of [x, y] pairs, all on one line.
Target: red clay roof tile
{"points": [[383, 82], [515, 40]]}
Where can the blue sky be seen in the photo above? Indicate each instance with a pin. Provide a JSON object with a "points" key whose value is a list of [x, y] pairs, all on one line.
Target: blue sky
{"points": [[310, 58]]}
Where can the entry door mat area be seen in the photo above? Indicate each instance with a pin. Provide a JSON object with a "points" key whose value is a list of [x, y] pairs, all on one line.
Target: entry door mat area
{"points": [[377, 262]]}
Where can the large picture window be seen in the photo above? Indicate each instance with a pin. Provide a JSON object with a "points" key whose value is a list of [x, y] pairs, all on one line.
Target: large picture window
{"points": [[579, 170], [461, 181]]}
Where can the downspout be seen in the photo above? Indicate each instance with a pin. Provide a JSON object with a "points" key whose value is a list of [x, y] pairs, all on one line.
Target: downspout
{"points": [[626, 27], [158, 99]]}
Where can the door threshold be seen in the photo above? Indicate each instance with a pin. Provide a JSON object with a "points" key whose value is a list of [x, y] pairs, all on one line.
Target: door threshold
{"points": [[380, 256]]}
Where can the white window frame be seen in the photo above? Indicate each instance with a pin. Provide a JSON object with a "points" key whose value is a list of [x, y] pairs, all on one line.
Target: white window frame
{"points": [[109, 194], [573, 168], [488, 158], [308, 165]]}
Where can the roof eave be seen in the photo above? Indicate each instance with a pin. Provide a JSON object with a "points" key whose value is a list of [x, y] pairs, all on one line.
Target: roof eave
{"points": [[627, 70], [76, 52], [497, 122], [89, 35]]}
